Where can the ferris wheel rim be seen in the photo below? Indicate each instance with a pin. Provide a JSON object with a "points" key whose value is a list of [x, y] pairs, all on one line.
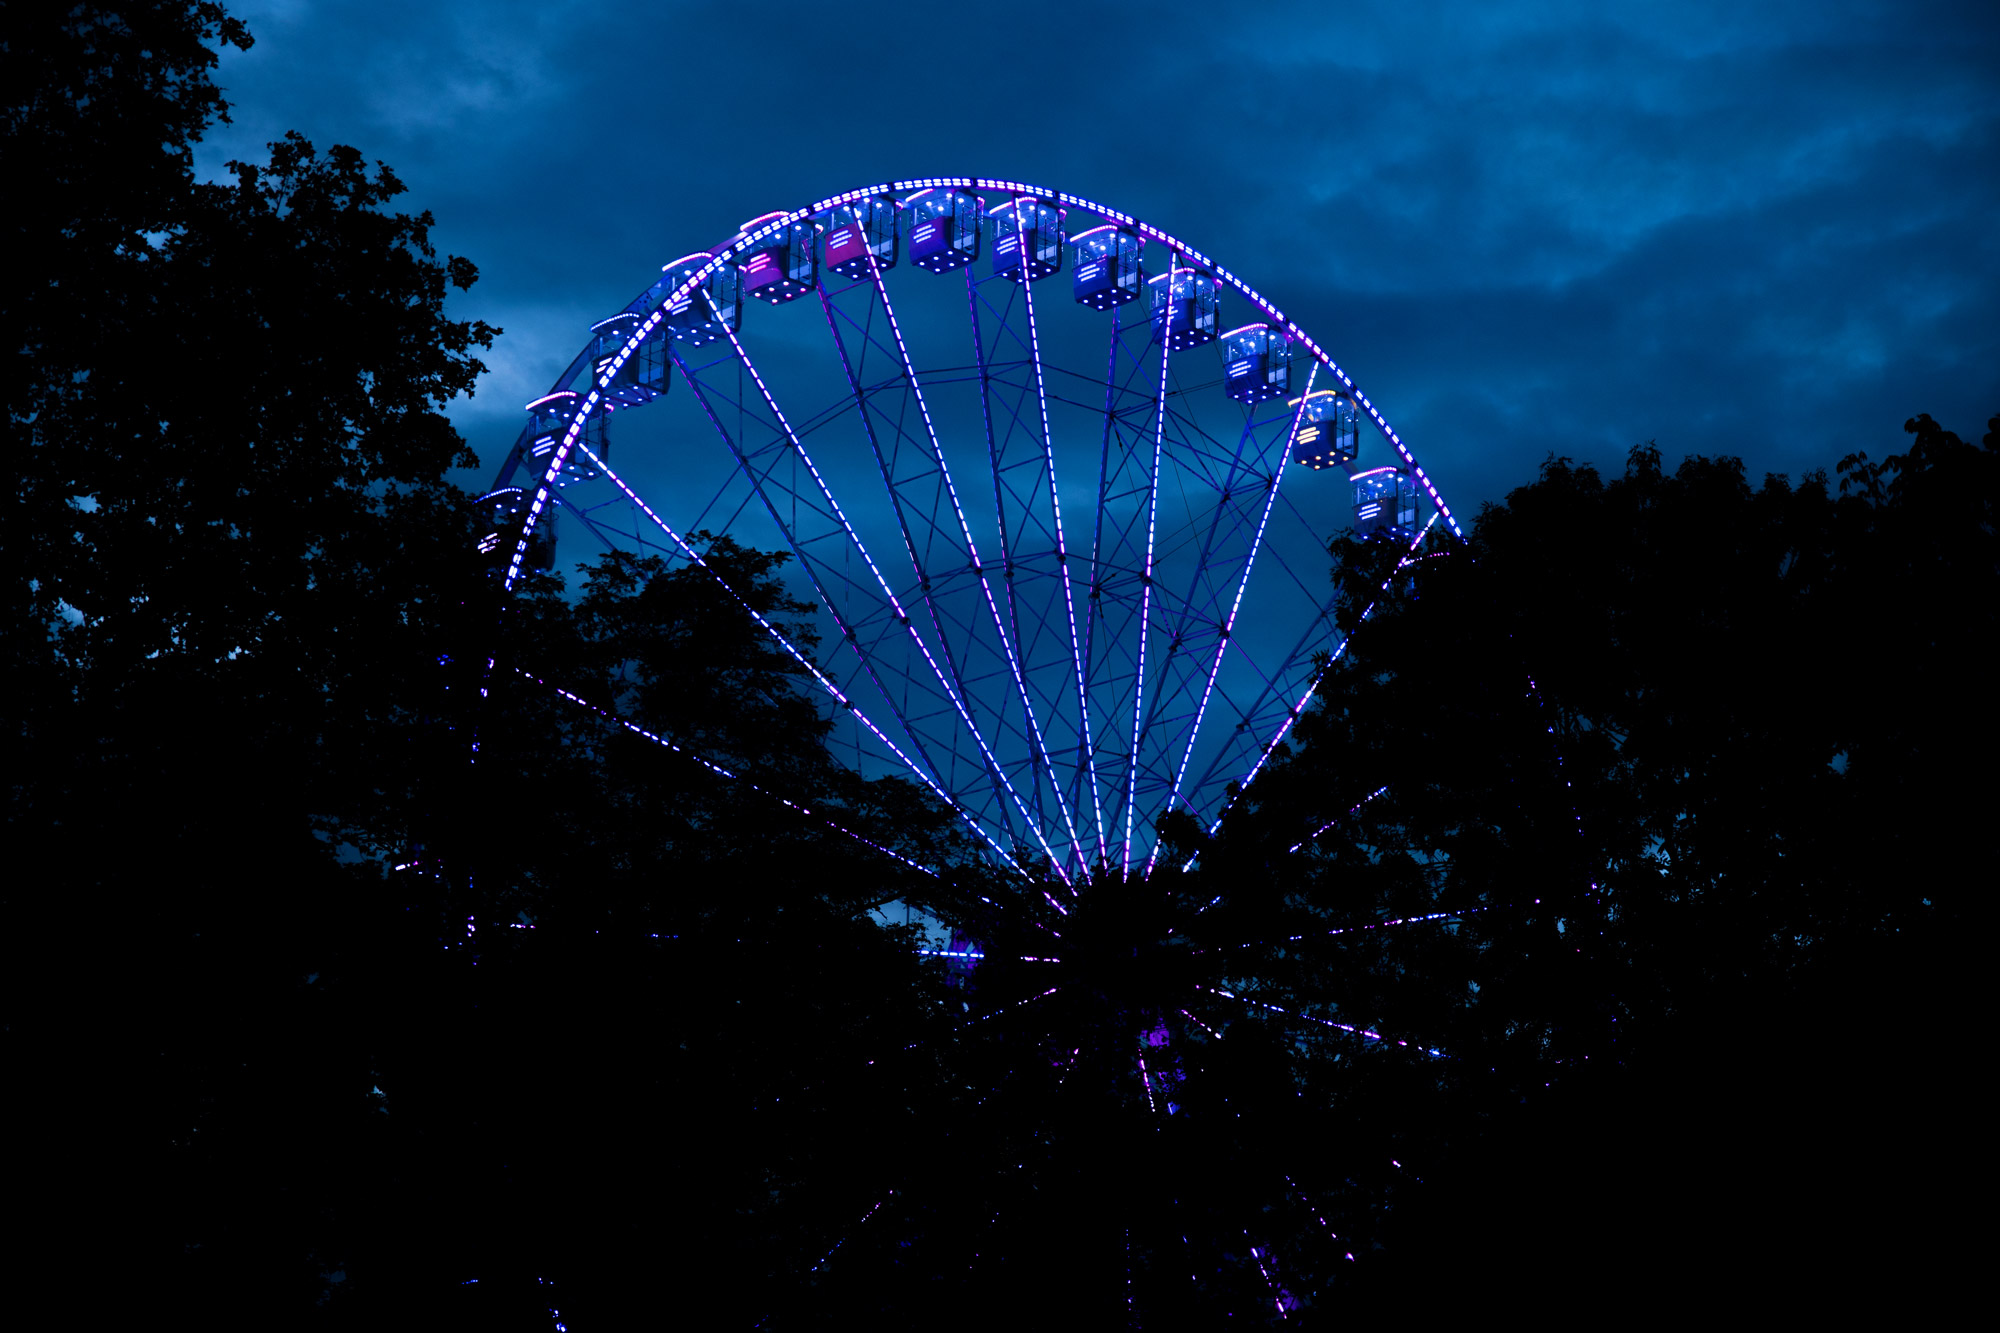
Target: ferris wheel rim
{"points": [[651, 308], [774, 223]]}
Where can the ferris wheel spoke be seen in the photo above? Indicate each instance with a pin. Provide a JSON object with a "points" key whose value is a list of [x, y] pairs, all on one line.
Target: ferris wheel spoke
{"points": [[1014, 409], [1056, 521], [840, 698], [960, 550], [720, 772], [1281, 1297], [1293, 713], [1364, 1033], [1114, 545], [1366, 927], [837, 533], [1228, 623], [1145, 605], [1349, 814]]}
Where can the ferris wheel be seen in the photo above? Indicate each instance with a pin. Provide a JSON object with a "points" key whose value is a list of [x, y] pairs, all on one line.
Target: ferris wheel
{"points": [[1063, 506], [1061, 491]]}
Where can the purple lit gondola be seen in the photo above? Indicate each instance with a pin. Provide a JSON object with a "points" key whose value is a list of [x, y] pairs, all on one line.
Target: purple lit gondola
{"points": [[1027, 238], [1329, 430], [944, 228], [642, 376], [504, 511], [856, 231], [1105, 270], [708, 311], [1258, 363], [1184, 304], [1385, 504], [784, 265], [548, 421]]}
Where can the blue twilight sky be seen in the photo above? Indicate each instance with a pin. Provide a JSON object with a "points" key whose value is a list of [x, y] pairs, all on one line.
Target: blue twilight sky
{"points": [[1759, 229]]}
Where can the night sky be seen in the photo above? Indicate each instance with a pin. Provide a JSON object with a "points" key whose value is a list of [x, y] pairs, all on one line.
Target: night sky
{"points": [[1762, 230]]}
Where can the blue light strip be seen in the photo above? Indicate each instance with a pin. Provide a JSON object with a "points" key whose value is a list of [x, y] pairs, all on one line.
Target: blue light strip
{"points": [[1062, 550], [1336, 819], [833, 691], [902, 616], [1242, 584], [1456, 915], [964, 527], [1365, 1033], [1146, 599], [722, 772], [1298, 709]]}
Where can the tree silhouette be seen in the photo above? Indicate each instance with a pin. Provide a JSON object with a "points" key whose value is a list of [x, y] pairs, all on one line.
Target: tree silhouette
{"points": [[1676, 782]]}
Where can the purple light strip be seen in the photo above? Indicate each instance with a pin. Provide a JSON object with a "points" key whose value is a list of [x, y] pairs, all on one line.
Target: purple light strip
{"points": [[1372, 925], [1146, 599], [965, 530], [1299, 708], [902, 616], [1367, 1033], [1336, 819], [1151, 1105], [1062, 559], [1203, 1026], [1222, 645], [832, 690], [1314, 1210], [1005, 1009], [1277, 1293], [722, 772], [863, 1221]]}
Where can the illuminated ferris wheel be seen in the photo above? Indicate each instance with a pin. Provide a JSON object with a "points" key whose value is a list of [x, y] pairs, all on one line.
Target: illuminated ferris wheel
{"points": [[1061, 490], [1066, 528]]}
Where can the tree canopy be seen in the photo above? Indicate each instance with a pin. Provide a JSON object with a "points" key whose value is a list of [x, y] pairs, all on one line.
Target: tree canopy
{"points": [[394, 949]]}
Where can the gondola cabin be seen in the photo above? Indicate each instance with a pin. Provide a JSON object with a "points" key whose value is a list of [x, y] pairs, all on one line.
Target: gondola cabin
{"points": [[641, 375], [853, 233], [505, 511], [709, 310], [1328, 433], [1385, 505], [1184, 308], [1105, 270], [944, 228], [783, 265], [548, 421], [1027, 240], [1257, 363]]}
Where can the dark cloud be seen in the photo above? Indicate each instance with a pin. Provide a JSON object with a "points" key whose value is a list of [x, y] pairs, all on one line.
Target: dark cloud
{"points": [[1525, 229]]}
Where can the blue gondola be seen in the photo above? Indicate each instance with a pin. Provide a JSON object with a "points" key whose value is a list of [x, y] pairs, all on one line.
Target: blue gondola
{"points": [[505, 510], [1385, 505], [944, 228], [1329, 430], [1105, 268], [853, 232], [1027, 238], [642, 376], [784, 265], [548, 423], [708, 311], [1184, 308], [1258, 363], [548, 420]]}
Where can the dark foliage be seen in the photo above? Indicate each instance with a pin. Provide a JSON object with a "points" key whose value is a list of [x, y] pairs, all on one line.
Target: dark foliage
{"points": [[1694, 771]]}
